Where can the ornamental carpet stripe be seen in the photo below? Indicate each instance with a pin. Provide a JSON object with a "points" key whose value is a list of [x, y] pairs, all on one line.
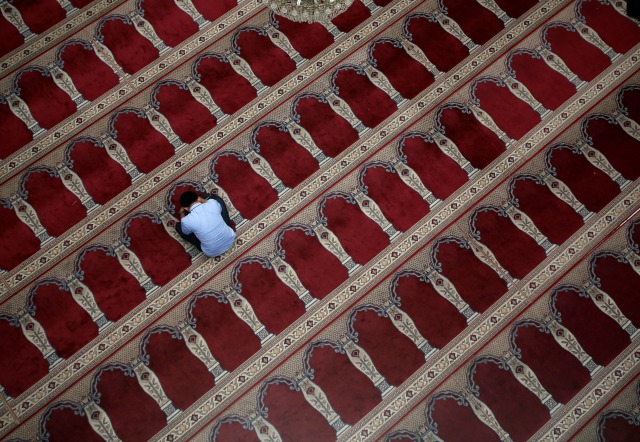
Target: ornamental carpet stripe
{"points": [[437, 207]]}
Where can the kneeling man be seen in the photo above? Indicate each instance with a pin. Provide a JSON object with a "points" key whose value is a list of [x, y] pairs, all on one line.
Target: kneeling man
{"points": [[204, 222]]}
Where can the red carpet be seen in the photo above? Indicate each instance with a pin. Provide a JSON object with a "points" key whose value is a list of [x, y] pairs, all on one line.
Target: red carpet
{"points": [[436, 203]]}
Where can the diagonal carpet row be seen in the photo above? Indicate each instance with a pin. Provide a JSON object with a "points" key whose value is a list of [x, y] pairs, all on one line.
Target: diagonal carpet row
{"points": [[617, 420], [142, 190], [32, 27], [91, 56], [554, 268], [549, 338], [360, 199], [19, 275]]}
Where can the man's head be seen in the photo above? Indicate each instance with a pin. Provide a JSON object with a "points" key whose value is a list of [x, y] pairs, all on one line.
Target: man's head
{"points": [[188, 198]]}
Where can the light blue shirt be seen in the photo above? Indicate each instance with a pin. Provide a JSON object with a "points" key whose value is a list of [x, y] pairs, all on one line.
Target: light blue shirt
{"points": [[205, 220]]}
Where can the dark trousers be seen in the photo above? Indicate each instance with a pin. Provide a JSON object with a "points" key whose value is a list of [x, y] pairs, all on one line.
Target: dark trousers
{"points": [[633, 9], [192, 238]]}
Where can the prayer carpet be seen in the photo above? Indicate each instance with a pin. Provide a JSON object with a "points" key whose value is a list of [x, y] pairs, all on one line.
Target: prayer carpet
{"points": [[437, 206]]}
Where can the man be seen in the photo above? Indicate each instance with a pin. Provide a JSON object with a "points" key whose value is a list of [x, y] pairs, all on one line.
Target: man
{"points": [[204, 222]]}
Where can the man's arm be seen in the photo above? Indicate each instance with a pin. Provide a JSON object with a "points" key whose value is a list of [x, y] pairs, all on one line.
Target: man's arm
{"points": [[216, 204], [184, 224]]}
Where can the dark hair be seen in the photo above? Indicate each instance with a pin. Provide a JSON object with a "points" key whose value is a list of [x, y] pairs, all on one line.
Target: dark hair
{"points": [[188, 198]]}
